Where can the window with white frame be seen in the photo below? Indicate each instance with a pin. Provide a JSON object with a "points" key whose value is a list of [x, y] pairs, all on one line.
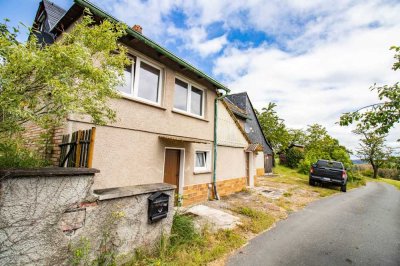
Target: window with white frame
{"points": [[142, 80], [188, 98], [202, 161]]}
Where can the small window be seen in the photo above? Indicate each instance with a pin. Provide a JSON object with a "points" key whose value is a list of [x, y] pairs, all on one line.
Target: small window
{"points": [[202, 161], [188, 98]]}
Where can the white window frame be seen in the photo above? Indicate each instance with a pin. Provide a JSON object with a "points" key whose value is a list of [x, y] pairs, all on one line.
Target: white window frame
{"points": [[135, 72], [207, 167], [189, 98]]}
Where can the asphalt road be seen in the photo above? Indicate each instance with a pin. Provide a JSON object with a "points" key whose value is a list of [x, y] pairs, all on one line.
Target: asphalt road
{"points": [[360, 227]]}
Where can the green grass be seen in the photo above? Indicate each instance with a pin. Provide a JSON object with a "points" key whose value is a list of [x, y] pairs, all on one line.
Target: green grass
{"points": [[287, 194], [257, 221], [293, 177], [186, 246], [392, 182]]}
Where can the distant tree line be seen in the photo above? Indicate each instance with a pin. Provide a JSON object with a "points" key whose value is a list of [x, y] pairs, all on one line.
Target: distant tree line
{"points": [[318, 144], [372, 122]]}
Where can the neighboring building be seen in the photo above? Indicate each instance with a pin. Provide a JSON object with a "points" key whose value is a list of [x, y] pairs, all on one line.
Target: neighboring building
{"points": [[165, 127], [46, 18], [242, 107], [282, 154]]}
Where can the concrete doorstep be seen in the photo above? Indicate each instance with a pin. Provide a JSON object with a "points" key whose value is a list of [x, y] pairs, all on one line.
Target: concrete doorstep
{"points": [[216, 219]]}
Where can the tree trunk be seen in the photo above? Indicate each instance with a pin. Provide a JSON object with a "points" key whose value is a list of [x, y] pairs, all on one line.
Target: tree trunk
{"points": [[375, 172]]}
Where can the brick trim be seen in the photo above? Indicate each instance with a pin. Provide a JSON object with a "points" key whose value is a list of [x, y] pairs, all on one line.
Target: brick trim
{"points": [[202, 192]]}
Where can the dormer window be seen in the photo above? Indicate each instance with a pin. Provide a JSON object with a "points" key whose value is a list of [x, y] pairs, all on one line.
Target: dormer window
{"points": [[41, 21]]}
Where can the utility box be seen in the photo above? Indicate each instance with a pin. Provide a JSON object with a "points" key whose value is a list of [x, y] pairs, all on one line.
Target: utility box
{"points": [[158, 206]]}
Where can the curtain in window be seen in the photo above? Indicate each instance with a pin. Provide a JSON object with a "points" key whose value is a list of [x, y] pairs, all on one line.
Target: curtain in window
{"points": [[200, 159]]}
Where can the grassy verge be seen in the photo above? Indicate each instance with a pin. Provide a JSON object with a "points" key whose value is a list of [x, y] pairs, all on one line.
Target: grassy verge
{"points": [[392, 182], [186, 246], [256, 221], [293, 177]]}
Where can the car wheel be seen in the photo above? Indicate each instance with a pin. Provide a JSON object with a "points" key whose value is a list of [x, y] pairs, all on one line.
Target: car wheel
{"points": [[343, 188], [311, 182]]}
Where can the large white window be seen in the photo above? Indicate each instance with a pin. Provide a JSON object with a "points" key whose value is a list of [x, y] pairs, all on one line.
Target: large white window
{"points": [[202, 161], [188, 98], [142, 80]]}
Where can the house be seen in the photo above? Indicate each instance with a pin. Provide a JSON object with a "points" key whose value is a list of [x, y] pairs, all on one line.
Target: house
{"points": [[242, 107], [172, 125]]}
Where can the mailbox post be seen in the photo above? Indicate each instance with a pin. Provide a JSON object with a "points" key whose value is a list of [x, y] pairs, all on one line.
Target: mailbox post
{"points": [[158, 206]]}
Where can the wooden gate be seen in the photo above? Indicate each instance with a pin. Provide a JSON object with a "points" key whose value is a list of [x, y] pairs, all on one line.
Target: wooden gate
{"points": [[77, 148]]}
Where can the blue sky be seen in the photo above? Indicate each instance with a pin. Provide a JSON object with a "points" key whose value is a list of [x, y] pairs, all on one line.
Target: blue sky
{"points": [[315, 59]]}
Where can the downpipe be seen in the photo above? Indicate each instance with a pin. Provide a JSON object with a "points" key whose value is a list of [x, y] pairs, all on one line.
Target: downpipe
{"points": [[215, 143]]}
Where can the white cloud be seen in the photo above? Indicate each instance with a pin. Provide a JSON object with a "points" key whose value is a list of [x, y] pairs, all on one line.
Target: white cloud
{"points": [[328, 78], [319, 62]]}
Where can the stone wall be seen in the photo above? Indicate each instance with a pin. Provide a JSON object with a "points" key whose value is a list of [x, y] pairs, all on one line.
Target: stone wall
{"points": [[46, 215]]}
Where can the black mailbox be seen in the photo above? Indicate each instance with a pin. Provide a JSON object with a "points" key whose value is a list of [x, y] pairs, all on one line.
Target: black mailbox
{"points": [[158, 206]]}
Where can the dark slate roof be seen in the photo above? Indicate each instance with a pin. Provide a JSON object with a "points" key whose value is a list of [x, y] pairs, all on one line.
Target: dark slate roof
{"points": [[54, 13], [242, 101], [236, 110]]}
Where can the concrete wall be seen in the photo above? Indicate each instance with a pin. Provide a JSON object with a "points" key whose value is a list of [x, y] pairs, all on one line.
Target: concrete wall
{"points": [[44, 218], [259, 163], [228, 132], [231, 163]]}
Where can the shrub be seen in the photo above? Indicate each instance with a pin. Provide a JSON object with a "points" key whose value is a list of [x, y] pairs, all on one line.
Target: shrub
{"points": [[367, 172], [304, 166], [293, 157], [183, 230], [389, 173], [13, 153]]}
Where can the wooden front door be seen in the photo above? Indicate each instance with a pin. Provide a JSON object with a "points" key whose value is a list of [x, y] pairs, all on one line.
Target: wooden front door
{"points": [[172, 167], [268, 160]]}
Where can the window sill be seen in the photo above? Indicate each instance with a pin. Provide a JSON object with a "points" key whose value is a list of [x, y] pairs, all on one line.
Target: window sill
{"points": [[130, 98], [189, 115], [199, 172]]}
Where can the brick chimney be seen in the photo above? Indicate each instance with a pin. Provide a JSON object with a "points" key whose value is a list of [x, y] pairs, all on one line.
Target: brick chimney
{"points": [[137, 28]]}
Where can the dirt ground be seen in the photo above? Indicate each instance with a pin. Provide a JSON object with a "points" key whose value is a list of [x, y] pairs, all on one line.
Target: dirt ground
{"points": [[276, 198]]}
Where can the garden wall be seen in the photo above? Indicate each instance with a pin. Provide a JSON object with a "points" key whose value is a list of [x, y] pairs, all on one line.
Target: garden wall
{"points": [[47, 215]]}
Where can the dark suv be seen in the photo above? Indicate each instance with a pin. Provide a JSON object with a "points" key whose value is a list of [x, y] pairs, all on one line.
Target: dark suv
{"points": [[331, 172]]}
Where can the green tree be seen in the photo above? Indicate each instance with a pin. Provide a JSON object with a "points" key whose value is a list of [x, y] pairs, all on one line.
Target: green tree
{"points": [[372, 149], [297, 136], [381, 116], [77, 74], [320, 145], [274, 127]]}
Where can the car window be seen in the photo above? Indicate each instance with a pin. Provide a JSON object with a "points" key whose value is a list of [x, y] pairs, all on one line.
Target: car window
{"points": [[328, 164]]}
